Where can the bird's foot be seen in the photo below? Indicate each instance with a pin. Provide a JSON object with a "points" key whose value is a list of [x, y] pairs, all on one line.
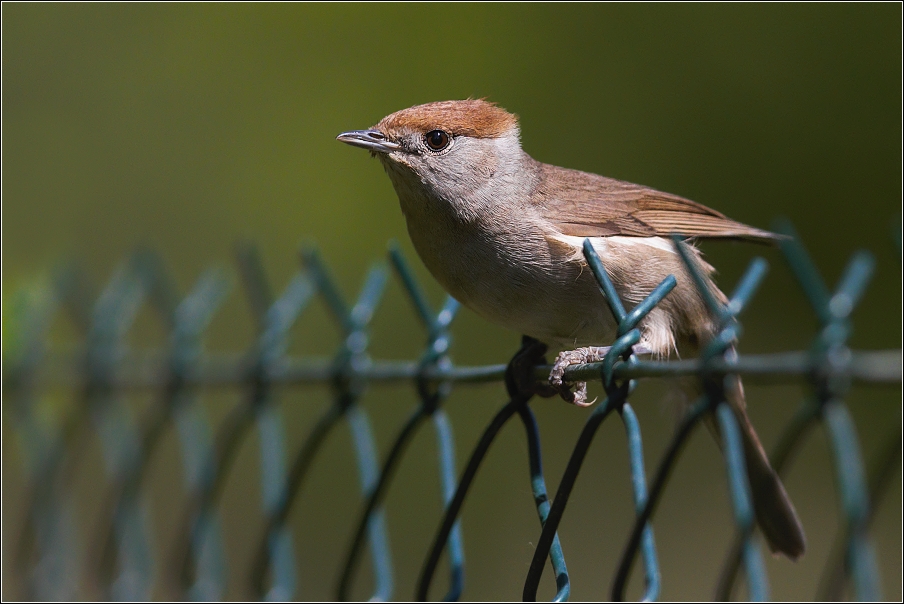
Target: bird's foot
{"points": [[580, 356]]}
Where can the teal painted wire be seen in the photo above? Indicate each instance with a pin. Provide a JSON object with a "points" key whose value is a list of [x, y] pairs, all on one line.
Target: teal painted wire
{"points": [[190, 318], [629, 337], [755, 569], [653, 577], [518, 404], [114, 314], [559, 503], [746, 287], [621, 346], [437, 347], [371, 292], [851, 287], [272, 342], [275, 317], [445, 442], [602, 279], [541, 499], [272, 453], [741, 501], [196, 534], [119, 436], [282, 555], [327, 288], [737, 469], [209, 560], [294, 481], [722, 346], [351, 355], [256, 286], [374, 498], [452, 510], [282, 313], [883, 470], [864, 568], [830, 348], [804, 269], [273, 476], [854, 498], [130, 446], [851, 476], [632, 319], [195, 312], [366, 454], [136, 564], [690, 421], [418, 298], [196, 442], [49, 523], [144, 372], [792, 437], [445, 316], [700, 282]]}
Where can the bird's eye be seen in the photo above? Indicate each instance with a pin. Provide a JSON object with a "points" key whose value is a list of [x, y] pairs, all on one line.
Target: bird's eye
{"points": [[437, 140]]}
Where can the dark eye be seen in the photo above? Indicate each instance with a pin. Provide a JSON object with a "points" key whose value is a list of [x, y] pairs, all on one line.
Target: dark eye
{"points": [[437, 140]]}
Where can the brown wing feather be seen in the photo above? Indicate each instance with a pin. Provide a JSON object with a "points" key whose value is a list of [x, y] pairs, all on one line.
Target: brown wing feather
{"points": [[589, 205]]}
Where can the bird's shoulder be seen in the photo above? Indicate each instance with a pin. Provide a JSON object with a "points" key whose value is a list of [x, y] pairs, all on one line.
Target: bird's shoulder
{"points": [[583, 204]]}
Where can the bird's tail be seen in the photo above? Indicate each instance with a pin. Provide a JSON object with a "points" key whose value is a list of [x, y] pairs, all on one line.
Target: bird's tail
{"points": [[775, 513]]}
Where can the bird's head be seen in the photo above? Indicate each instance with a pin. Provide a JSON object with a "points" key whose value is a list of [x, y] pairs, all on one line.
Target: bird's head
{"points": [[450, 149]]}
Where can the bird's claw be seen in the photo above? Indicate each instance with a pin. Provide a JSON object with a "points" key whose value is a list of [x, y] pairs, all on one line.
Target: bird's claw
{"points": [[567, 358], [580, 356]]}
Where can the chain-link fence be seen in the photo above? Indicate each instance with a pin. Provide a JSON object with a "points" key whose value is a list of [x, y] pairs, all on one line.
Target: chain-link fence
{"points": [[122, 564]]}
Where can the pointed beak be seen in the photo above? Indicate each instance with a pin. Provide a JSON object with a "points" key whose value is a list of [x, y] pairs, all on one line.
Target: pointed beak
{"points": [[372, 140]]}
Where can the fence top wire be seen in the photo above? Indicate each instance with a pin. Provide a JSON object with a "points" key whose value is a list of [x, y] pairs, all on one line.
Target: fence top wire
{"points": [[106, 369]]}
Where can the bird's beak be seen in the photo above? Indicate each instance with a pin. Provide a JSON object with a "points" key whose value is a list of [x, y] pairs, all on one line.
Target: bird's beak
{"points": [[372, 140]]}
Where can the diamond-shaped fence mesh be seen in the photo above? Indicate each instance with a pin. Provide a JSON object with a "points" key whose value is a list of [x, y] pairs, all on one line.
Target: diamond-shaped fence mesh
{"points": [[120, 561]]}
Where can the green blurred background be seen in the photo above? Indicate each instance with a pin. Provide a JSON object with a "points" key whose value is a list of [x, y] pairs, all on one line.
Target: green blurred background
{"points": [[189, 127]]}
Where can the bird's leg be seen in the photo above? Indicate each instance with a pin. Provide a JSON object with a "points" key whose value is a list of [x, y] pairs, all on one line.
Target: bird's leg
{"points": [[581, 356], [519, 375]]}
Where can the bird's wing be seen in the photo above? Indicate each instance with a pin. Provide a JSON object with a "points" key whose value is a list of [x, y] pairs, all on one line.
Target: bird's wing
{"points": [[588, 205]]}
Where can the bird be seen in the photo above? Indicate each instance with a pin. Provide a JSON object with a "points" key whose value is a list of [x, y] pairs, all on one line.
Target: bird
{"points": [[503, 234]]}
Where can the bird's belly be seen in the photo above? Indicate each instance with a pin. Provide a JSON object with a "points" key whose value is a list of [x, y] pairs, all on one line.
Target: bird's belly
{"points": [[564, 324], [549, 298]]}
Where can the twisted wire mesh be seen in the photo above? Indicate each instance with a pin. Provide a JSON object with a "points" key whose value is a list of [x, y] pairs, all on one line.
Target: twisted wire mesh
{"points": [[122, 563]]}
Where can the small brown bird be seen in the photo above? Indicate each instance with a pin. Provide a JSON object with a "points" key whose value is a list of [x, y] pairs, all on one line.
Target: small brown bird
{"points": [[503, 234]]}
